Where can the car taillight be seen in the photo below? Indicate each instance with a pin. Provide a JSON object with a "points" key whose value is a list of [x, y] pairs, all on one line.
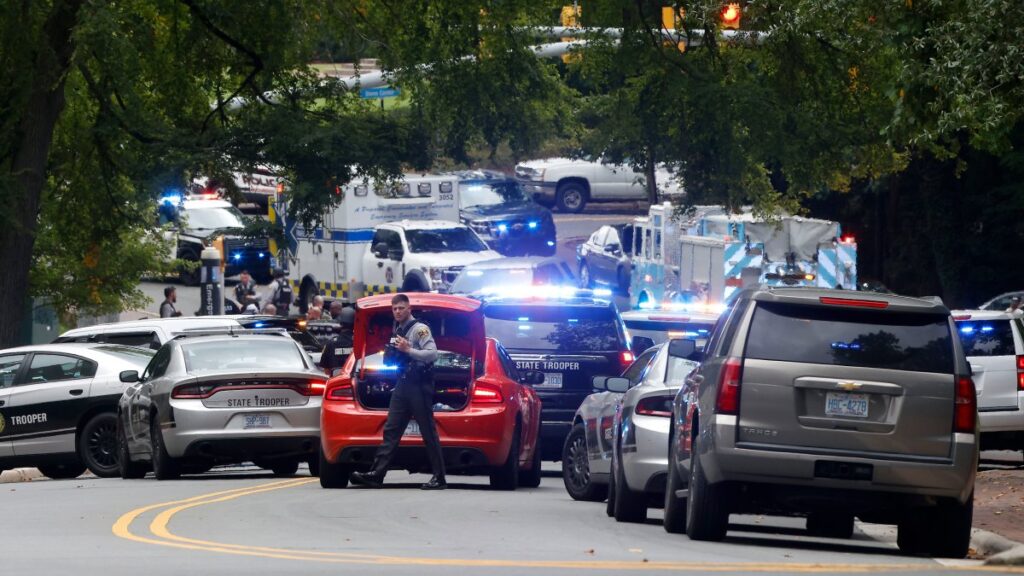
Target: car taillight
{"points": [[655, 406], [193, 391], [965, 410], [1020, 372], [314, 388], [484, 393], [626, 358], [728, 401], [343, 391], [853, 302]]}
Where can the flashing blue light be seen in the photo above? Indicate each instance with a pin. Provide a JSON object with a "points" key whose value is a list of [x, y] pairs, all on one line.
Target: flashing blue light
{"points": [[573, 320], [258, 325], [702, 331], [503, 227], [845, 346], [551, 243], [524, 327], [532, 225], [602, 292], [171, 198], [968, 329], [690, 334], [987, 328], [524, 319], [647, 305], [236, 256], [384, 368], [261, 254]]}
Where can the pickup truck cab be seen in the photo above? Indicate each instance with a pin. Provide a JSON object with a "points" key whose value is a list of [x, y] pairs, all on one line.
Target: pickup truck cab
{"points": [[570, 183]]}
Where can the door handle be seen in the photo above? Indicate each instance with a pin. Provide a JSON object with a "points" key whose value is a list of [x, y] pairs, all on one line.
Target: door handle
{"points": [[76, 392]]}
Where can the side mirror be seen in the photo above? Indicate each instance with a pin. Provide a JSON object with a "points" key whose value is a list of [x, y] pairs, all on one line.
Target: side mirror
{"points": [[686, 349], [531, 377], [380, 250], [641, 343], [129, 376], [617, 384], [395, 255], [600, 383]]}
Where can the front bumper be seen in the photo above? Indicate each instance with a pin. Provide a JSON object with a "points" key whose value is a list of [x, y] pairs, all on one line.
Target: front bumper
{"points": [[539, 189], [195, 424]]}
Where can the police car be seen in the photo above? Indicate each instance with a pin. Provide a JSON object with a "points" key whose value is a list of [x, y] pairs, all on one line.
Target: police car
{"points": [[58, 406], [676, 320], [569, 334]]}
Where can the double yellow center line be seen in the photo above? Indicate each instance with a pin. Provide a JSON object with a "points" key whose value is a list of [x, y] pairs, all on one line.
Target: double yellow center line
{"points": [[160, 535]]}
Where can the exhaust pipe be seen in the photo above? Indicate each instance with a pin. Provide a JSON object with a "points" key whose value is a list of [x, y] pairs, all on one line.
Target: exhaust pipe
{"points": [[465, 457]]}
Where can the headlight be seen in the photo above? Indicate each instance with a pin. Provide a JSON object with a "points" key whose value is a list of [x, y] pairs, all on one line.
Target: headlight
{"points": [[538, 174]]}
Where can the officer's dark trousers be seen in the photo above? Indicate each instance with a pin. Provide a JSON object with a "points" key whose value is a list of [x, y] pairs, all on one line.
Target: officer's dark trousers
{"points": [[410, 400]]}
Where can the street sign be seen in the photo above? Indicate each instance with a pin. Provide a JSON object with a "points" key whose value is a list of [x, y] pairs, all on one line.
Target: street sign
{"points": [[379, 92]]}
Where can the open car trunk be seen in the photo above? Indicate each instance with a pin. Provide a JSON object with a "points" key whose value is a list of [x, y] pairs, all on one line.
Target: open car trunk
{"points": [[453, 381]]}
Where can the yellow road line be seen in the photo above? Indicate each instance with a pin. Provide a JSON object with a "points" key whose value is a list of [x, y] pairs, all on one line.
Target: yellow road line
{"points": [[164, 537]]}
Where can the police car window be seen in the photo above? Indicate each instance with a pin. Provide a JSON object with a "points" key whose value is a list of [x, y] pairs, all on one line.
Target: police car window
{"points": [[57, 367], [9, 366], [272, 352], [158, 365], [213, 218], [490, 194], [986, 337], [135, 355], [547, 274], [556, 328], [636, 369], [507, 363], [140, 339], [678, 368]]}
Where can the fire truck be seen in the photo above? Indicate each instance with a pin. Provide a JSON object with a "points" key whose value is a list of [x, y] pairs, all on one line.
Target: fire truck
{"points": [[705, 257]]}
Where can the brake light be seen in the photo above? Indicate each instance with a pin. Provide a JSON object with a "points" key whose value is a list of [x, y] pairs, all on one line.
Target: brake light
{"points": [[1020, 372], [314, 388], [963, 317], [343, 391], [486, 393], [728, 401], [852, 302], [626, 358], [965, 409], [193, 391], [655, 406]]}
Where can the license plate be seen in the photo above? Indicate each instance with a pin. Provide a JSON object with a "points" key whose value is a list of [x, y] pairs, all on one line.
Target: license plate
{"points": [[413, 428], [845, 404], [257, 421], [551, 380]]}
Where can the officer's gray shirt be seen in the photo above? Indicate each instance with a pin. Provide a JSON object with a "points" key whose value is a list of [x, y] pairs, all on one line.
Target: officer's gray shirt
{"points": [[423, 348]]}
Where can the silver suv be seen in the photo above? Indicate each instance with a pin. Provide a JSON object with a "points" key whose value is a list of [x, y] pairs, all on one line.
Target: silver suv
{"points": [[830, 405]]}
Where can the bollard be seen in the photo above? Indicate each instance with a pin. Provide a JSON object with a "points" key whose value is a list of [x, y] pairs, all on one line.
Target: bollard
{"points": [[211, 283]]}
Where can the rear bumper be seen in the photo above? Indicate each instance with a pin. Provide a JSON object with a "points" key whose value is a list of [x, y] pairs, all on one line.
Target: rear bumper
{"points": [[647, 458], [724, 461], [485, 433], [240, 449], [195, 425]]}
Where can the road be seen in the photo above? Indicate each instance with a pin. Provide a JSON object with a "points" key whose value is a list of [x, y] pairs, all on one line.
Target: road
{"points": [[245, 521]]}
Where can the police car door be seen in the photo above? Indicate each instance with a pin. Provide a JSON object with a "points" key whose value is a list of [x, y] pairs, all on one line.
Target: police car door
{"points": [[47, 401], [10, 368]]}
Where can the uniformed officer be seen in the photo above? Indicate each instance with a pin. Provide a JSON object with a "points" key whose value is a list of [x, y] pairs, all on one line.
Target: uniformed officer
{"points": [[338, 348], [413, 397]]}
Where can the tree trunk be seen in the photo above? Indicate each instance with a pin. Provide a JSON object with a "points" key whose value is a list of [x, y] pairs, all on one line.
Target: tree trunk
{"points": [[651, 177], [28, 166]]}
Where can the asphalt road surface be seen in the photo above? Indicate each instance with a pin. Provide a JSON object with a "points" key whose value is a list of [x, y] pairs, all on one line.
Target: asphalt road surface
{"points": [[245, 521]]}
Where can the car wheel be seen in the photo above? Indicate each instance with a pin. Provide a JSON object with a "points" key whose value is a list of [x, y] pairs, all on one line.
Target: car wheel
{"points": [[675, 507], [97, 445], [917, 533], [576, 468], [830, 525], [285, 468], [531, 478], [707, 518], [609, 504], [332, 475], [586, 281], [630, 505], [164, 467], [571, 198], [63, 470], [128, 469], [506, 476], [314, 466]]}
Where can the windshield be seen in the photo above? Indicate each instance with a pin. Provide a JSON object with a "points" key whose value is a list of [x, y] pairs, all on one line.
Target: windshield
{"points": [[986, 337], [138, 356], [568, 329], [490, 194], [212, 218], [444, 240], [272, 353]]}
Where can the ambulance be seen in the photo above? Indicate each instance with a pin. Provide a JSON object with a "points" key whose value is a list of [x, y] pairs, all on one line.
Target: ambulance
{"points": [[398, 237]]}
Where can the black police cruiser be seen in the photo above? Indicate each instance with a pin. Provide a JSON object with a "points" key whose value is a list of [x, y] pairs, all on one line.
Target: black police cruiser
{"points": [[570, 335], [58, 406], [496, 208]]}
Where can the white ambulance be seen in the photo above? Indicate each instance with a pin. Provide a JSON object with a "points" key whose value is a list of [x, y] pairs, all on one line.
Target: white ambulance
{"points": [[405, 237]]}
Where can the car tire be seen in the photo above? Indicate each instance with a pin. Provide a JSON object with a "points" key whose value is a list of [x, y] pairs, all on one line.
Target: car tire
{"points": [[164, 467], [314, 466], [531, 478], [332, 475], [630, 505], [576, 468], [571, 198], [586, 280], [285, 468], [675, 507], [830, 525], [97, 445], [609, 503], [506, 476], [707, 518], [63, 471], [128, 469], [917, 534]]}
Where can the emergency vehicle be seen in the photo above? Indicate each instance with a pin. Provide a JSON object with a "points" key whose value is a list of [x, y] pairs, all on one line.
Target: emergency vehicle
{"points": [[400, 237], [704, 259]]}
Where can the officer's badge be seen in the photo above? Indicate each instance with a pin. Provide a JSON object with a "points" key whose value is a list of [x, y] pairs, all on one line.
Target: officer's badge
{"points": [[422, 332]]}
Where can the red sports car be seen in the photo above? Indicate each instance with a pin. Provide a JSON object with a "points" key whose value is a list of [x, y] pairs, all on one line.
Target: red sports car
{"points": [[487, 414]]}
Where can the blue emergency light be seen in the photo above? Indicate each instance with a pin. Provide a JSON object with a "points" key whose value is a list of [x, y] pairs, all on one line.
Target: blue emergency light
{"points": [[503, 227], [532, 225]]}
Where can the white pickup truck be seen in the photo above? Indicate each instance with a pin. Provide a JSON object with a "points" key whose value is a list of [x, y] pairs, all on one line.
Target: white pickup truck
{"points": [[569, 184]]}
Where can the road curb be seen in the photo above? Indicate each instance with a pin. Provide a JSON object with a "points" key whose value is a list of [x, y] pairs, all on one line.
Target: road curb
{"points": [[1001, 551], [19, 475]]}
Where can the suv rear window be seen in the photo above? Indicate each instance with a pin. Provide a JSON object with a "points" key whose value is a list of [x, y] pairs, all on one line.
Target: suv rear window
{"points": [[986, 337], [561, 329], [814, 335]]}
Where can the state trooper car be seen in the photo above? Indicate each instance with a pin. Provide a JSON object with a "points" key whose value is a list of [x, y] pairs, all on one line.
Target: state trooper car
{"points": [[225, 396], [58, 404]]}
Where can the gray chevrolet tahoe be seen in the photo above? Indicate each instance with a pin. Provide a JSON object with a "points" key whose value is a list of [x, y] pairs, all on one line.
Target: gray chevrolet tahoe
{"points": [[830, 405]]}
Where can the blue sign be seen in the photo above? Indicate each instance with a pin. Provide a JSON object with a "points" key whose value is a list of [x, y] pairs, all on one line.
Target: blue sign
{"points": [[380, 92]]}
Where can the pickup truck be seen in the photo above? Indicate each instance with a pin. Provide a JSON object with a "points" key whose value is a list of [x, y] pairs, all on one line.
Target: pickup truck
{"points": [[569, 184]]}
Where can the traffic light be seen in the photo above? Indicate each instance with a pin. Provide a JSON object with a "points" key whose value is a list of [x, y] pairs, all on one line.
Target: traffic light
{"points": [[730, 16]]}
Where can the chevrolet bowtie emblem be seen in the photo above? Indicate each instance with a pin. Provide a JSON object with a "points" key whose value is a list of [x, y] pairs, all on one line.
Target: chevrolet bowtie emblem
{"points": [[848, 386]]}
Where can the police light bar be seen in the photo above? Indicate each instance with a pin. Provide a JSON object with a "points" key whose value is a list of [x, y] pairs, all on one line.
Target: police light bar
{"points": [[543, 292], [171, 198]]}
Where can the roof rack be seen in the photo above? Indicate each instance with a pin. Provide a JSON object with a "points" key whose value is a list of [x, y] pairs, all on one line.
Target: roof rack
{"points": [[230, 331]]}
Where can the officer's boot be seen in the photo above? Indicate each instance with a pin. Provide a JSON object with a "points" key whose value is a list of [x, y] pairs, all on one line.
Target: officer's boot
{"points": [[371, 479], [435, 483]]}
